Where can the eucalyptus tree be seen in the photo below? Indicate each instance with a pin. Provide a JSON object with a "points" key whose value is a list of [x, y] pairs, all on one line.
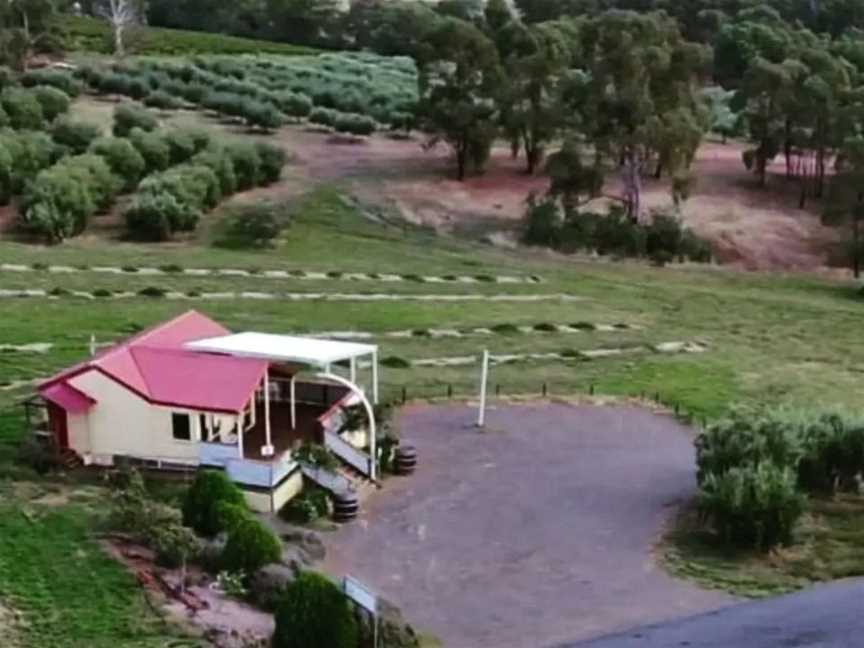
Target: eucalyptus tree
{"points": [[638, 96], [26, 26], [459, 82]]}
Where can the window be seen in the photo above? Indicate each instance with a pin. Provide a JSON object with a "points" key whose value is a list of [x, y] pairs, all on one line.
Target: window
{"points": [[181, 426]]}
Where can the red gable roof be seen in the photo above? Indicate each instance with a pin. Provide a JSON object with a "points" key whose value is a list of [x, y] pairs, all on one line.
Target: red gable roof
{"points": [[154, 365], [66, 396]]}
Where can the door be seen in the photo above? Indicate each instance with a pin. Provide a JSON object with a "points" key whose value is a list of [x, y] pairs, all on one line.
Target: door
{"points": [[59, 425]]}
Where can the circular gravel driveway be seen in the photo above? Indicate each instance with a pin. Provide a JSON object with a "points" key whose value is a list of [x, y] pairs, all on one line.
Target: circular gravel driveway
{"points": [[536, 531]]}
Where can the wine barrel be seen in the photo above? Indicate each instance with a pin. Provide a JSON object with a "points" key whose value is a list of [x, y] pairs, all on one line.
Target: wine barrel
{"points": [[346, 506], [406, 459]]}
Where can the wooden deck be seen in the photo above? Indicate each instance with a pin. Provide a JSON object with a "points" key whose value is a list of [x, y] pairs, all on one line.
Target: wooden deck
{"points": [[281, 434]]}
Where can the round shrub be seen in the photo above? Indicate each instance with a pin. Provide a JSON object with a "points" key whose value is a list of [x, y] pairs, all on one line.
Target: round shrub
{"points": [[217, 160], [201, 504], [250, 546], [247, 164], [59, 79], [752, 506], [259, 114], [74, 136], [122, 157], [354, 124], [183, 143], [313, 613], [54, 102], [225, 103], [155, 217], [162, 100], [153, 148], [31, 152], [231, 515], [23, 109], [272, 160], [293, 104], [323, 116], [111, 83], [253, 226], [57, 204], [95, 172], [127, 117]]}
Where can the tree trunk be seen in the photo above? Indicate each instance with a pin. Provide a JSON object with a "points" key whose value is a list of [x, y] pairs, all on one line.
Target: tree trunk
{"points": [[118, 40], [820, 173], [856, 261], [632, 186], [461, 159], [761, 169], [787, 148], [658, 172]]}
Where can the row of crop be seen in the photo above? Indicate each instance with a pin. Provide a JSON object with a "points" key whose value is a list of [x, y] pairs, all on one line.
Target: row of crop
{"points": [[264, 93], [67, 180]]}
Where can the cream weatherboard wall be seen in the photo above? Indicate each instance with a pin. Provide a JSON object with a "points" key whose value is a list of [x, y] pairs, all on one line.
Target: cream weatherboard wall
{"points": [[122, 423]]}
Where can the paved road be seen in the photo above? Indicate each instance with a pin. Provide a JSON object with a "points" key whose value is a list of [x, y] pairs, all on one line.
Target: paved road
{"points": [[829, 616], [536, 531]]}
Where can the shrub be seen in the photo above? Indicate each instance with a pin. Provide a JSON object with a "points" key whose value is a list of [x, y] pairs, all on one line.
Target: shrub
{"points": [[57, 204], [162, 100], [183, 143], [252, 226], [259, 114], [323, 116], [153, 148], [63, 81], [312, 504], [753, 506], [4, 118], [215, 158], [174, 544], [36, 455], [23, 109], [354, 124], [313, 613], [403, 121], [247, 164], [95, 172], [201, 505], [54, 102], [75, 136], [122, 157], [128, 116], [272, 160], [225, 103], [250, 546], [294, 104], [542, 220], [747, 438], [31, 152], [111, 83], [833, 453], [154, 217], [230, 514]]}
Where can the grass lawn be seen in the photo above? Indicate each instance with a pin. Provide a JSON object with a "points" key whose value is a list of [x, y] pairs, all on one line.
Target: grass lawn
{"points": [[768, 338], [828, 545], [67, 591]]}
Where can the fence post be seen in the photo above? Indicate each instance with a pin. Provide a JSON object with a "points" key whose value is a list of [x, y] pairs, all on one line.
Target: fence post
{"points": [[449, 391], [591, 389], [544, 390], [404, 394], [497, 390]]}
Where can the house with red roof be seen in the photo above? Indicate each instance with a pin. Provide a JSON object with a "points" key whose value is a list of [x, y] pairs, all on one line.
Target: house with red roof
{"points": [[188, 393]]}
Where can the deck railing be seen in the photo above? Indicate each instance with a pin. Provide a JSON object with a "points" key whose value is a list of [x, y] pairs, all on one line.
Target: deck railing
{"points": [[247, 471], [349, 454]]}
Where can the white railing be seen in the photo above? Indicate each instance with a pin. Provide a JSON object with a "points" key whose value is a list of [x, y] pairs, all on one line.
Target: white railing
{"points": [[217, 454], [348, 453]]}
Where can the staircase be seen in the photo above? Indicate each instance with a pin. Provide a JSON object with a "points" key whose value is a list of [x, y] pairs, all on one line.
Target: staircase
{"points": [[361, 484], [70, 460]]}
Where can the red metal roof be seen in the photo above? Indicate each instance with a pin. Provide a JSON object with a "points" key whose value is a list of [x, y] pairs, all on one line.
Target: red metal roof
{"points": [[154, 365], [66, 396]]}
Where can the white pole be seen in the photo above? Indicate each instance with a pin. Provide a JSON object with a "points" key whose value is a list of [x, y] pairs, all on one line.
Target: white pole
{"points": [[293, 403], [240, 433], [353, 370], [92, 345], [267, 450], [375, 377], [484, 377]]}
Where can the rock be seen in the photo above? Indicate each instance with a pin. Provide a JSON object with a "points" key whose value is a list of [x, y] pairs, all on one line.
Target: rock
{"points": [[268, 583], [393, 631], [308, 541], [294, 557]]}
